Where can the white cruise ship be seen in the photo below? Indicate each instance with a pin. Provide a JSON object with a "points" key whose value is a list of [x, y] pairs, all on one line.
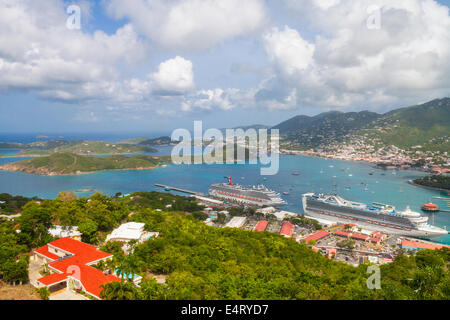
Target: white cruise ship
{"points": [[377, 216], [255, 195]]}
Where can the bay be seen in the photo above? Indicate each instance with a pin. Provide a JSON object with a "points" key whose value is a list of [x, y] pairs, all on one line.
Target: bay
{"points": [[352, 180]]}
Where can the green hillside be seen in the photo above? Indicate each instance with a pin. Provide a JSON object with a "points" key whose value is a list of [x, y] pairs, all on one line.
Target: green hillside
{"points": [[92, 148], [69, 163], [156, 142], [427, 124], [310, 132]]}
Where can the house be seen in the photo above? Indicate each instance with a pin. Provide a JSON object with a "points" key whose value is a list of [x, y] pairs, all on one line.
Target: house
{"points": [[65, 232], [131, 231], [70, 263]]}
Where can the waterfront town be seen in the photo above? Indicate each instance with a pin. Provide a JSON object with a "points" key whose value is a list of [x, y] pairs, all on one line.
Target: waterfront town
{"points": [[389, 158]]}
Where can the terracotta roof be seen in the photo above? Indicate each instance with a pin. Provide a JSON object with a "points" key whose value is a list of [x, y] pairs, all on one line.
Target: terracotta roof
{"points": [[359, 236], [421, 245], [53, 278], [261, 226], [316, 236], [77, 265], [287, 229], [44, 251], [342, 233]]}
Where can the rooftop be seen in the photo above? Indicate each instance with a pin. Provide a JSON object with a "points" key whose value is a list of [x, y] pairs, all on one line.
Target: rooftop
{"points": [[74, 262]]}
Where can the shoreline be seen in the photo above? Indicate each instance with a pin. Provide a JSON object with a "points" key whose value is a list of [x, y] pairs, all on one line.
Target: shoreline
{"points": [[372, 164], [78, 173]]}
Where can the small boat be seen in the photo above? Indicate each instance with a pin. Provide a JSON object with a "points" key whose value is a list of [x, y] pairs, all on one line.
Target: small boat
{"points": [[331, 166], [286, 193], [350, 175], [295, 173]]}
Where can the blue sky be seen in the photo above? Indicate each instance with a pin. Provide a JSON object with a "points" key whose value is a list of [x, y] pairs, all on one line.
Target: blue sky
{"points": [[153, 66]]}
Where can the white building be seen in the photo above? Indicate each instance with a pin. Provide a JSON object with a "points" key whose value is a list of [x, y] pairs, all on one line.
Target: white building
{"points": [[65, 232], [236, 222], [131, 231]]}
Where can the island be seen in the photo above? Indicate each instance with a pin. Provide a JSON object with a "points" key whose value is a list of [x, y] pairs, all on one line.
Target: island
{"points": [[67, 163], [40, 149]]}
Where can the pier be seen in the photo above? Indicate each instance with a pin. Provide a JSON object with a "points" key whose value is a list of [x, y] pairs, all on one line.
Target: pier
{"points": [[179, 190]]}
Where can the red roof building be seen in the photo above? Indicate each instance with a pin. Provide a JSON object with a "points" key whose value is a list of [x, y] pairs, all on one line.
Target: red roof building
{"points": [[375, 240], [261, 226], [287, 229], [413, 245], [359, 236], [71, 262], [342, 233], [317, 236]]}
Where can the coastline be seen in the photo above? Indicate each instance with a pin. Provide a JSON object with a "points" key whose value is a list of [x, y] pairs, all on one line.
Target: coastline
{"points": [[54, 174]]}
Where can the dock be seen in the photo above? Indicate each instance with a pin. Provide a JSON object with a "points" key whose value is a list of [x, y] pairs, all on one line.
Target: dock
{"points": [[179, 190]]}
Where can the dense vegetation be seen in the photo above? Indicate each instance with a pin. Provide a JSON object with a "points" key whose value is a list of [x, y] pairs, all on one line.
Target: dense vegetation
{"points": [[202, 262], [69, 163], [12, 204], [436, 181]]}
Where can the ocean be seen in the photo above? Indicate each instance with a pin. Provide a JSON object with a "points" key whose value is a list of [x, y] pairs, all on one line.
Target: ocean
{"points": [[352, 180]]}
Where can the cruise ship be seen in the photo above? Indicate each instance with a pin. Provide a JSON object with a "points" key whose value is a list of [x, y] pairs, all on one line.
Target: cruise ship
{"points": [[256, 195], [378, 216]]}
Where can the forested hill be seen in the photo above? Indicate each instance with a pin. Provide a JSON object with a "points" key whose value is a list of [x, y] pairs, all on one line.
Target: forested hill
{"points": [[427, 125], [325, 128], [69, 163]]}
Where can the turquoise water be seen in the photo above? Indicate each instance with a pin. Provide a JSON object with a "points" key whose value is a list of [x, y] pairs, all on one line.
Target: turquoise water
{"points": [[315, 175]]}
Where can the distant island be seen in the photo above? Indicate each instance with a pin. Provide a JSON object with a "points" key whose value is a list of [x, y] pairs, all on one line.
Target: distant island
{"points": [[70, 164], [45, 148], [436, 182]]}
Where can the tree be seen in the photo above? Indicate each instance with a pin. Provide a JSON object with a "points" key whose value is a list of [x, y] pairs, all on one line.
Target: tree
{"points": [[88, 229], [124, 290], [67, 196], [44, 293], [34, 224]]}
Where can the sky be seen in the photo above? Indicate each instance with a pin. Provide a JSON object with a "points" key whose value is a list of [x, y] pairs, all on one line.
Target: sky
{"points": [[157, 65]]}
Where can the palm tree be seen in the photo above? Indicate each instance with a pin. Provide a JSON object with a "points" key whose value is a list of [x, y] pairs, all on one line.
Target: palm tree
{"points": [[123, 290]]}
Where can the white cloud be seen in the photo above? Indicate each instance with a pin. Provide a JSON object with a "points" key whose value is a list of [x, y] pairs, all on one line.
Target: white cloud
{"points": [[348, 65], [288, 51], [174, 76], [41, 54], [191, 24]]}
